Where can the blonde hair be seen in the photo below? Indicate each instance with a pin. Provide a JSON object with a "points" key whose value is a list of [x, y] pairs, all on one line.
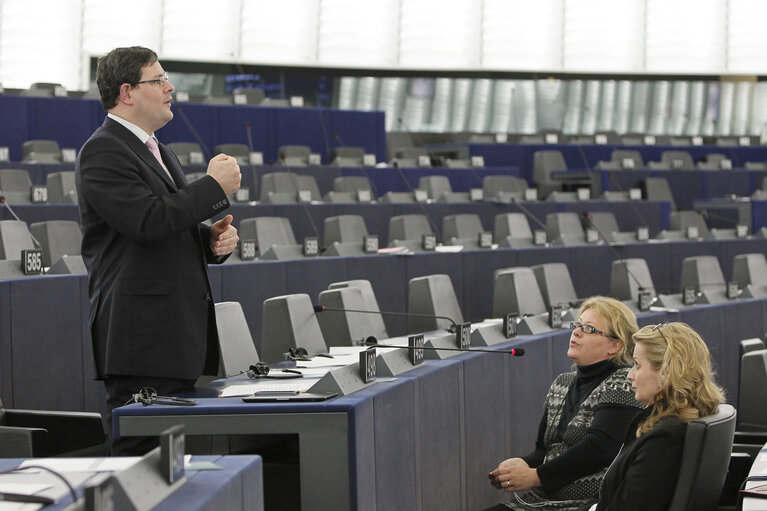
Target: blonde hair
{"points": [[621, 323], [683, 361]]}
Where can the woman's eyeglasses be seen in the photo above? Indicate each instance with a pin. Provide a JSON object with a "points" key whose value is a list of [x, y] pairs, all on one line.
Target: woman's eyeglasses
{"points": [[588, 329]]}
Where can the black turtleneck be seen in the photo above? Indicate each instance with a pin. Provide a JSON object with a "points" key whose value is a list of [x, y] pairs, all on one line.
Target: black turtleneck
{"points": [[603, 437]]}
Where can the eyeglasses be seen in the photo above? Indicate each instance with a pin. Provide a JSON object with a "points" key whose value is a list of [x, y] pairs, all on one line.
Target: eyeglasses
{"points": [[588, 329], [157, 81], [657, 328]]}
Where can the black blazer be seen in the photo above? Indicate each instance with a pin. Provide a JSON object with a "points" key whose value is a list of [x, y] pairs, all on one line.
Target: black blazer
{"points": [[146, 252], [644, 474]]}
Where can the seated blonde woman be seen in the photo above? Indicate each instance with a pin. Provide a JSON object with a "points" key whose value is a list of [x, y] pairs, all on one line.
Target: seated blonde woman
{"points": [[672, 376]]}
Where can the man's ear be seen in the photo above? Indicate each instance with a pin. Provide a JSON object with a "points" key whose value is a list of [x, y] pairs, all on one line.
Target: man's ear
{"points": [[126, 92]]}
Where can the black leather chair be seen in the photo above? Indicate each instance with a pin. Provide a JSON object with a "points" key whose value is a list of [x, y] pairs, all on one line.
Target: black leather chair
{"points": [[705, 459], [43, 433]]}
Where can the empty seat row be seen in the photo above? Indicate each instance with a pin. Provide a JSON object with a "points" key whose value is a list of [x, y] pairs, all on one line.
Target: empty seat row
{"points": [[17, 187]]}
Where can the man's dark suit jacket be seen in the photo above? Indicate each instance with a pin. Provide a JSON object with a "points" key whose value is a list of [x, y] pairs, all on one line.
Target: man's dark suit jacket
{"points": [[146, 252]]}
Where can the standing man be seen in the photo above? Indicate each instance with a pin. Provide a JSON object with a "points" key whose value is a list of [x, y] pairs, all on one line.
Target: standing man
{"points": [[152, 318]]}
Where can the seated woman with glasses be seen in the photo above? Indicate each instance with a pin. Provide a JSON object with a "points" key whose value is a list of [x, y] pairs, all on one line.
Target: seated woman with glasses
{"points": [[585, 415], [672, 376]]}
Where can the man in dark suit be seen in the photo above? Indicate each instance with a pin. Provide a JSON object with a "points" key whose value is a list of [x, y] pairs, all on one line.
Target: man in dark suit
{"points": [[152, 317]]}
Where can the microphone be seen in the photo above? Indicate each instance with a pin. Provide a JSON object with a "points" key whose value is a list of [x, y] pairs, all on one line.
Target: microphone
{"points": [[529, 213], [4, 202], [195, 133], [453, 325], [514, 352], [250, 151]]}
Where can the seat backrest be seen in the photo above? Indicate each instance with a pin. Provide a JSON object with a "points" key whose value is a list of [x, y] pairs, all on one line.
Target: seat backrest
{"points": [[749, 269], [267, 231], [752, 391], [681, 220], [14, 237], [461, 226], [516, 290], [514, 225], [432, 295], [370, 302], [546, 162], [347, 156], [627, 276], [57, 238], [435, 186], [342, 327], [705, 458], [703, 273], [252, 95], [555, 284], [240, 152], [288, 183], [344, 229], [748, 345], [183, 150], [564, 224], [408, 227], [61, 187], [657, 189], [289, 321], [491, 185], [352, 184], [235, 342], [604, 222], [293, 155], [43, 151]]}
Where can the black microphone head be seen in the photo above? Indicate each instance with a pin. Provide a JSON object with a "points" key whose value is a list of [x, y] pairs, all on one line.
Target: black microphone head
{"points": [[517, 352], [371, 341], [319, 308], [586, 215], [2, 199]]}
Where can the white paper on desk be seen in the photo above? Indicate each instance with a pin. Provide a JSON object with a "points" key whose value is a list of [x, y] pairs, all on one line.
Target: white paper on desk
{"points": [[336, 361], [346, 350], [248, 389], [19, 506], [82, 464]]}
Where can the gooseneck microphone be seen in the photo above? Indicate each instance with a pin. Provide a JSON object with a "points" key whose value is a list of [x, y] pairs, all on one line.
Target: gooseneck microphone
{"points": [[453, 325], [514, 352], [529, 213], [4, 202]]}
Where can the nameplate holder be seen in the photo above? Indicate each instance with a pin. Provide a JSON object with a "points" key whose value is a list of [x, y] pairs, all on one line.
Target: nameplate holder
{"points": [[172, 453], [551, 138], [38, 194], [364, 196], [420, 195], [304, 196], [627, 163], [342, 380], [677, 164], [32, 261], [311, 246], [635, 194], [296, 101], [369, 160], [182, 97], [315, 159], [100, 493], [256, 158], [424, 161], [476, 194], [692, 232], [531, 194], [510, 325], [68, 155], [196, 158], [5, 154], [741, 231], [463, 335], [744, 141], [725, 164], [247, 250], [697, 140], [592, 235], [555, 316], [600, 139], [368, 365], [732, 290], [583, 193], [415, 353], [59, 91], [429, 242], [239, 99], [370, 243], [643, 233], [644, 300], [485, 239], [242, 194], [539, 237], [689, 295], [478, 162], [649, 140]]}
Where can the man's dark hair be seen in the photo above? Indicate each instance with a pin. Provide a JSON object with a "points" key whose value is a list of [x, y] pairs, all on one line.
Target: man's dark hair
{"points": [[119, 66]]}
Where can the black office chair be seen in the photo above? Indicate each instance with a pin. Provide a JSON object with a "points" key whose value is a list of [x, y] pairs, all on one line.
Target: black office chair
{"points": [[43, 433], [705, 458]]}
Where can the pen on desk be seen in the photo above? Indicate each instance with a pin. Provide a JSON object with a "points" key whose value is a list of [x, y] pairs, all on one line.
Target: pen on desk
{"points": [[20, 497], [326, 355]]}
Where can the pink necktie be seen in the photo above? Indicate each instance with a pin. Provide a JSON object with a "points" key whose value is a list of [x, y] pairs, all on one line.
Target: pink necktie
{"points": [[151, 143]]}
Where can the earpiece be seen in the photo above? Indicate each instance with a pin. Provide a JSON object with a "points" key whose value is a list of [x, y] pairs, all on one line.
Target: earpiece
{"points": [[148, 396], [297, 354], [261, 370]]}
